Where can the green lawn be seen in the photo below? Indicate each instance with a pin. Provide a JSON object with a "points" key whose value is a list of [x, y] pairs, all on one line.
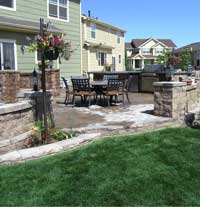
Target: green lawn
{"points": [[159, 168]]}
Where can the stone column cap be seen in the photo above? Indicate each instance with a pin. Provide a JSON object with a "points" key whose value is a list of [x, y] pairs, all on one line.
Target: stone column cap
{"points": [[167, 84]]}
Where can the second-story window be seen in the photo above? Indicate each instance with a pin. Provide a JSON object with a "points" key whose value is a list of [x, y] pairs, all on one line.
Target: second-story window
{"points": [[93, 30], [146, 50], [118, 37], [7, 4], [159, 50], [58, 9]]}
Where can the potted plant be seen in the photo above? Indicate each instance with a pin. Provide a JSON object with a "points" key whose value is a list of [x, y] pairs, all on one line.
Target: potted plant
{"points": [[52, 45]]}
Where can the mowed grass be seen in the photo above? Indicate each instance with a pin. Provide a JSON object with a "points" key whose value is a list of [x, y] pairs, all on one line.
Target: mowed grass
{"points": [[158, 168]]}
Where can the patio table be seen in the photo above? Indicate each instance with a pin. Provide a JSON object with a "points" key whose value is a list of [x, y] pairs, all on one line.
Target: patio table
{"points": [[102, 83]]}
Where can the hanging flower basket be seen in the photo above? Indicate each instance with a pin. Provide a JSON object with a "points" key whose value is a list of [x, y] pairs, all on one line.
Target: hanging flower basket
{"points": [[51, 54], [53, 46]]}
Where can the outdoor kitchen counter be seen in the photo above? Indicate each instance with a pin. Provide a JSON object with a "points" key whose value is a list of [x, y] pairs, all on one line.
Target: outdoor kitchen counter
{"points": [[135, 83]]}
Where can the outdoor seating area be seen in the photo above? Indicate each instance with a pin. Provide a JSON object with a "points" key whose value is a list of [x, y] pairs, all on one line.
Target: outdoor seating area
{"points": [[110, 90], [97, 113]]}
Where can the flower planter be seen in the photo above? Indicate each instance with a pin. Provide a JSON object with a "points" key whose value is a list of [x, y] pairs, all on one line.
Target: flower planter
{"points": [[51, 54]]}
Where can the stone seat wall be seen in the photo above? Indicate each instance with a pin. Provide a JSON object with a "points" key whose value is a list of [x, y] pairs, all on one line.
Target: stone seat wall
{"points": [[175, 99]]}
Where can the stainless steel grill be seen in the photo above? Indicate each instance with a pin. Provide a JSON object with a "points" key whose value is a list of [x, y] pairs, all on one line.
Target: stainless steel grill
{"points": [[151, 74]]}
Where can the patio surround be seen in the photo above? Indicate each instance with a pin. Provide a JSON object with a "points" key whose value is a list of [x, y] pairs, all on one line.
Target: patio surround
{"points": [[175, 99], [15, 119], [26, 80], [52, 81], [9, 86]]}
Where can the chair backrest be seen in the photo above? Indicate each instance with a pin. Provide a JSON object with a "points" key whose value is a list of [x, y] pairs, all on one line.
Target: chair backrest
{"points": [[107, 77], [114, 84], [81, 84], [65, 83], [128, 82]]}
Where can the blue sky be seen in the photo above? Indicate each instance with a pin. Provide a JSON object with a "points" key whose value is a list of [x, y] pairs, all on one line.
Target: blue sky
{"points": [[178, 20]]}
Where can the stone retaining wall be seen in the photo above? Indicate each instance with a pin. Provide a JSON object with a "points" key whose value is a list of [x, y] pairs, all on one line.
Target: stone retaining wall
{"points": [[9, 86], [174, 99], [15, 119], [26, 80], [53, 81], [12, 81]]}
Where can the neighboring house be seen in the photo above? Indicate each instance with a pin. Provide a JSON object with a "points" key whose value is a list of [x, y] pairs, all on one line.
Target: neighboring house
{"points": [[146, 51], [103, 45], [19, 21], [194, 48]]}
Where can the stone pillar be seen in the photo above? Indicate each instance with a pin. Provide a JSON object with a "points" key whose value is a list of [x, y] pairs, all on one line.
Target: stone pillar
{"points": [[9, 86], [170, 99], [53, 81]]}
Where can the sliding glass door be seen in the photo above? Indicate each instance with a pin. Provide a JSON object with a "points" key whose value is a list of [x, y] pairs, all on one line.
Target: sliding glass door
{"points": [[7, 56]]}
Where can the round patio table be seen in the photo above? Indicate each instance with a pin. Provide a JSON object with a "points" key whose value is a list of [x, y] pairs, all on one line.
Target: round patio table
{"points": [[101, 83]]}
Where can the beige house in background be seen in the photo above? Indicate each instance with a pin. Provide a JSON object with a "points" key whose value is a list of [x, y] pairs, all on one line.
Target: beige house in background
{"points": [[103, 45], [146, 51]]}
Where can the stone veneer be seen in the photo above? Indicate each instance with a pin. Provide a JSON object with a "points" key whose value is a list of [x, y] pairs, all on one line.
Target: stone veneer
{"points": [[174, 99], [15, 118], [9, 86], [53, 81], [26, 80]]}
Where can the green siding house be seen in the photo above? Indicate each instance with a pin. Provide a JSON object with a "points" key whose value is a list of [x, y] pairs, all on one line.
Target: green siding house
{"points": [[19, 21]]}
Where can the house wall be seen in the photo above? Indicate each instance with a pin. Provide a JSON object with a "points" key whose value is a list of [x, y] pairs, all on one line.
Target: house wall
{"points": [[142, 57], [149, 44], [107, 37], [31, 10]]}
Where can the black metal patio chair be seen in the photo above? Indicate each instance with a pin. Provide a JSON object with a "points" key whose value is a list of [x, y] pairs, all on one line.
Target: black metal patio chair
{"points": [[81, 88], [67, 91]]}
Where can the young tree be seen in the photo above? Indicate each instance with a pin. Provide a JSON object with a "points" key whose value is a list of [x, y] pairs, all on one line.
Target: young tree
{"points": [[186, 59]]}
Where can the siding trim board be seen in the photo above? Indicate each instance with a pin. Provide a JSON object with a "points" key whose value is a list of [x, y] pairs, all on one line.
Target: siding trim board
{"points": [[24, 25]]}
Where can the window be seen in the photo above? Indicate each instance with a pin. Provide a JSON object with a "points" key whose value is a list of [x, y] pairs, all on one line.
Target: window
{"points": [[8, 4], [146, 50], [7, 55], [93, 30], [159, 50], [118, 37], [120, 59], [38, 56], [102, 57], [58, 9]]}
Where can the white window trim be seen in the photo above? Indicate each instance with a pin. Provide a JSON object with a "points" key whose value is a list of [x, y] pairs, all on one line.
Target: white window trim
{"points": [[99, 58], [58, 19], [11, 9], [118, 38], [93, 31], [15, 50]]}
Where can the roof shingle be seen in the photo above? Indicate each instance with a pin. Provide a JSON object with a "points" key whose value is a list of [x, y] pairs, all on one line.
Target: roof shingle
{"points": [[138, 42]]}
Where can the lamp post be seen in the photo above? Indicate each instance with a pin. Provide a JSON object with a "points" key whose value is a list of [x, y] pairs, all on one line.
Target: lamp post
{"points": [[42, 27], [35, 80]]}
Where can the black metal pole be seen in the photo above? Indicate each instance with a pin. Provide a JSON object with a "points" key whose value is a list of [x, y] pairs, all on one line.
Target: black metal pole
{"points": [[44, 83]]}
